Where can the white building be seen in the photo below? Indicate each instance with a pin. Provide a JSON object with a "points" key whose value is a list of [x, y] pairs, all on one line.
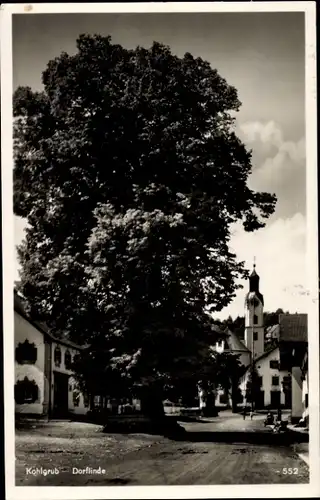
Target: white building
{"points": [[293, 342], [271, 380], [305, 389], [266, 363], [277, 367], [44, 383]]}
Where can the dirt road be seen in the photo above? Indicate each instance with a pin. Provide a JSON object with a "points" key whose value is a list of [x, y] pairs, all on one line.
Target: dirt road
{"points": [[217, 452]]}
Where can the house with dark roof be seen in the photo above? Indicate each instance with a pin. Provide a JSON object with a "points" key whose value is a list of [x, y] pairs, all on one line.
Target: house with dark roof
{"points": [[44, 381], [277, 366], [305, 388], [293, 345]]}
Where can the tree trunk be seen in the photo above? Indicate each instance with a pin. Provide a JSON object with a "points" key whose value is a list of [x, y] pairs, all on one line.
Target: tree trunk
{"points": [[151, 403], [207, 400], [210, 409], [234, 395], [91, 406]]}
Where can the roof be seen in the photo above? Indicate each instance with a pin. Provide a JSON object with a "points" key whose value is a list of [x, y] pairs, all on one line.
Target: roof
{"points": [[216, 329], [234, 343], [19, 307], [293, 327], [272, 329], [266, 353]]}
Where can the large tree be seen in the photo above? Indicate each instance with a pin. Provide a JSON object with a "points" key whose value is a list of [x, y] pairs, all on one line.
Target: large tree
{"points": [[253, 387], [129, 173]]}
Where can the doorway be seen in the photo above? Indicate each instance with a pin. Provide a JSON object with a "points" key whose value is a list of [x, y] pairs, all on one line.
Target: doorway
{"points": [[287, 399], [275, 399], [259, 400], [60, 395]]}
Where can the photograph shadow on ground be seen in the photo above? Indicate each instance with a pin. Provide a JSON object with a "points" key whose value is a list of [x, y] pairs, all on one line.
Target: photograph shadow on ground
{"points": [[257, 438]]}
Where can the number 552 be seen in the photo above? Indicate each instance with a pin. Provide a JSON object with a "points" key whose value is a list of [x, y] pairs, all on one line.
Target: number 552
{"points": [[290, 470]]}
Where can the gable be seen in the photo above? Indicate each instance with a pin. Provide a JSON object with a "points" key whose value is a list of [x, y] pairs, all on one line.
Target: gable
{"points": [[263, 360], [24, 329], [273, 354], [38, 326]]}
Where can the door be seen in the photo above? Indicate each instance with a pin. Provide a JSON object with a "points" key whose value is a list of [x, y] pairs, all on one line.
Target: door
{"points": [[287, 399], [60, 395], [275, 399], [259, 401]]}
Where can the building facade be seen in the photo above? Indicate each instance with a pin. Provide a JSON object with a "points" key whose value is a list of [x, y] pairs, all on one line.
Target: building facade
{"points": [[277, 365], [271, 379], [305, 389], [44, 381]]}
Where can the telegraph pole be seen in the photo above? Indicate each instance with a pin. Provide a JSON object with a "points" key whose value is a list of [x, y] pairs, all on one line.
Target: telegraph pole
{"points": [[252, 359], [252, 370]]}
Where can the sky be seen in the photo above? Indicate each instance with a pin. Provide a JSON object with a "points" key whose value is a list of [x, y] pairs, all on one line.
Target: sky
{"points": [[262, 55]]}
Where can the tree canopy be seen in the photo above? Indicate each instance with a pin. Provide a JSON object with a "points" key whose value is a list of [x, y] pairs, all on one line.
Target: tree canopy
{"points": [[129, 173]]}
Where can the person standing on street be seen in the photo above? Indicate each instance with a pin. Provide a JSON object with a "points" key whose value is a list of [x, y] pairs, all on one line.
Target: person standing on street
{"points": [[244, 413], [279, 418]]}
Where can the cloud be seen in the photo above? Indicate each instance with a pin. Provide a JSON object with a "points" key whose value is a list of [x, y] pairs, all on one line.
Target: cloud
{"points": [[267, 133], [281, 263], [279, 165]]}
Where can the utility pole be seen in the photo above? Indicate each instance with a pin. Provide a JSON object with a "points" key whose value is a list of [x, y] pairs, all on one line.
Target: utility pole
{"points": [[252, 371], [252, 359]]}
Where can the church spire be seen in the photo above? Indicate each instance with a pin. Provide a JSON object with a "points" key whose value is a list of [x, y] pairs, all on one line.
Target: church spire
{"points": [[254, 279], [254, 324]]}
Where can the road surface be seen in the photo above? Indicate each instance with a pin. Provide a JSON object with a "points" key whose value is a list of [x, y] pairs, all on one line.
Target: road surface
{"points": [[226, 450]]}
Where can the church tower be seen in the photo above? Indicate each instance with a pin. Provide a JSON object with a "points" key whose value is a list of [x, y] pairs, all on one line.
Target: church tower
{"points": [[254, 324]]}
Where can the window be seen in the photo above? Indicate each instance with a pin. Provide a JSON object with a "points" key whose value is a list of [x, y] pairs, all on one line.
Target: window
{"points": [[275, 380], [255, 335], [255, 319], [260, 381], [306, 400], [67, 360], [26, 353], [57, 356], [274, 364], [26, 391]]}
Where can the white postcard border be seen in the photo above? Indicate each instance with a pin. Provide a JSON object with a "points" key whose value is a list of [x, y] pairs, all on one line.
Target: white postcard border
{"points": [[237, 491]]}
